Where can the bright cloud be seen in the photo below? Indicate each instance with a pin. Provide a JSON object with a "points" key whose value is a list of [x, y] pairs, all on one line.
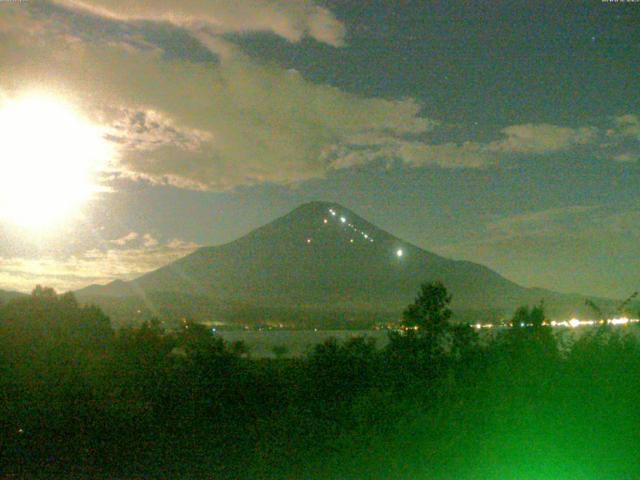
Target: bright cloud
{"points": [[363, 150], [292, 20], [235, 122], [204, 126], [92, 266], [128, 238], [528, 139]]}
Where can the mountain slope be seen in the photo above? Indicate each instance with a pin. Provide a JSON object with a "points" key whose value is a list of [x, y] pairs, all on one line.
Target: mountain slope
{"points": [[320, 257], [7, 295]]}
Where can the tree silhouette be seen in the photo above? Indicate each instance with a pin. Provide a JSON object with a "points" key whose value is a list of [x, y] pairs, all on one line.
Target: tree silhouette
{"points": [[529, 339], [537, 315], [151, 403], [280, 351], [603, 316], [46, 317], [430, 310], [528, 317], [424, 343], [464, 341], [520, 318]]}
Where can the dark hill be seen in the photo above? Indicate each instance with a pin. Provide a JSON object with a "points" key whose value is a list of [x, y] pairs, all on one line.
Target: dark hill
{"points": [[7, 295]]}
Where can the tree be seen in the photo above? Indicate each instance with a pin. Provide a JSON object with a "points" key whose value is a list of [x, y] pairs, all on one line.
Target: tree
{"points": [[603, 316], [430, 310], [537, 315], [46, 317], [526, 317], [464, 341], [280, 351], [520, 318], [529, 339], [427, 321]]}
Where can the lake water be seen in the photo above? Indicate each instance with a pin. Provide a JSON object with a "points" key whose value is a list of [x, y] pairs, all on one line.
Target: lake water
{"points": [[298, 342]]}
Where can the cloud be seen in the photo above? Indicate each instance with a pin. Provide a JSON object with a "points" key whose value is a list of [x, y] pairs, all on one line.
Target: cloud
{"points": [[150, 241], [556, 221], [234, 122], [542, 138], [599, 225], [292, 20], [362, 150], [128, 238], [134, 239], [202, 125], [623, 139], [627, 157], [570, 249], [520, 140], [92, 266], [146, 130], [627, 126]]}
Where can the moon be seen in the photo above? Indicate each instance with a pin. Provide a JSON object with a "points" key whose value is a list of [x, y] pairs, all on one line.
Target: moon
{"points": [[50, 160]]}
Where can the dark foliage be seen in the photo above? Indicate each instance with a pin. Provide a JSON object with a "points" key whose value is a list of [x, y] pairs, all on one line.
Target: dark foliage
{"points": [[78, 400]]}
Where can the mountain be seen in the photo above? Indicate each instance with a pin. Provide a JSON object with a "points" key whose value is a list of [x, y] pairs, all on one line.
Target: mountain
{"points": [[319, 261], [6, 295]]}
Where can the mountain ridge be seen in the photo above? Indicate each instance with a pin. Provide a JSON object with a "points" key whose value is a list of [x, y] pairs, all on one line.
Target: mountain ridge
{"points": [[323, 256], [7, 295]]}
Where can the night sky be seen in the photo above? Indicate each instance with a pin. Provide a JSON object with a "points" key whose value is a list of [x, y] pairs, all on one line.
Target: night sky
{"points": [[506, 133]]}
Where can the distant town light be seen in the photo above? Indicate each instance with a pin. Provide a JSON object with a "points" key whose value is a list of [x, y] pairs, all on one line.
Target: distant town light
{"points": [[619, 321], [399, 253], [574, 322], [343, 220], [308, 240], [326, 221]]}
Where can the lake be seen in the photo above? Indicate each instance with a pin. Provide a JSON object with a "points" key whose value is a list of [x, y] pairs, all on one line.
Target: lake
{"points": [[298, 342]]}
